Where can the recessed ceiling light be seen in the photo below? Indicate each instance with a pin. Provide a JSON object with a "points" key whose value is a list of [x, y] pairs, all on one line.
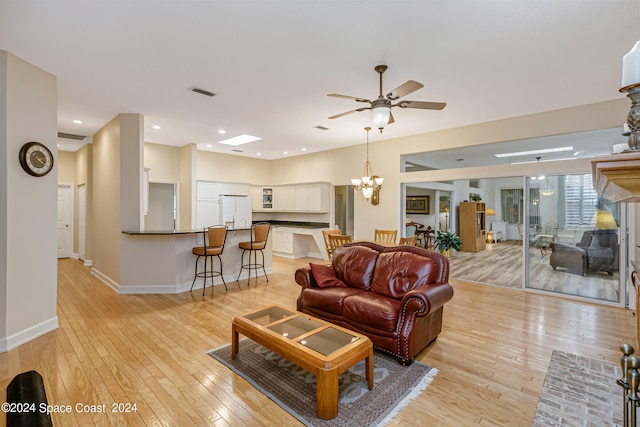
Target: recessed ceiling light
{"points": [[78, 122], [303, 149], [222, 131], [209, 146], [527, 153], [239, 140], [258, 154], [285, 152], [155, 127]]}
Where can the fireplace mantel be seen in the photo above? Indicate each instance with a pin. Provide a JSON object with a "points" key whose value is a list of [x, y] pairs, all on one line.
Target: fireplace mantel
{"points": [[617, 177]]}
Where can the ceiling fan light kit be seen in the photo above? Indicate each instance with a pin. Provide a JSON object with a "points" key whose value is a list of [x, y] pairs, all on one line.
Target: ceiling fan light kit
{"points": [[381, 106]]}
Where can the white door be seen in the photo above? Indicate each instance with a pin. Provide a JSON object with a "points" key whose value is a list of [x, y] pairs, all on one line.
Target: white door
{"points": [[82, 221], [65, 216]]}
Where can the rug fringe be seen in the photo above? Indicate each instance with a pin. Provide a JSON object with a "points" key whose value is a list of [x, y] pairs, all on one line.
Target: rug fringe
{"points": [[415, 392]]}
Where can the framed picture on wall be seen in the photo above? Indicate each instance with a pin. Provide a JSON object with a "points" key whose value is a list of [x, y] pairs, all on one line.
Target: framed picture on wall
{"points": [[417, 205]]}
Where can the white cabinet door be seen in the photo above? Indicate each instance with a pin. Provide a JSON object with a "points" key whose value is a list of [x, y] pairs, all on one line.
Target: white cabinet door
{"points": [[207, 190], [256, 198], [315, 197], [282, 241], [284, 198], [301, 201]]}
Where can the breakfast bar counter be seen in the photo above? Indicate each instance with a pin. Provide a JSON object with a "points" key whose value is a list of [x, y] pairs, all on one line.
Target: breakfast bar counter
{"points": [[161, 261]]}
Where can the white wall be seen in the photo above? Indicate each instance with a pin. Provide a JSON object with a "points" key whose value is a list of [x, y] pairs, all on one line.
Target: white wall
{"points": [[28, 278]]}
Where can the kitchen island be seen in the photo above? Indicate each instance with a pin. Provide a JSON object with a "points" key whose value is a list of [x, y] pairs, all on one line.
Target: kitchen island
{"points": [[161, 262]]}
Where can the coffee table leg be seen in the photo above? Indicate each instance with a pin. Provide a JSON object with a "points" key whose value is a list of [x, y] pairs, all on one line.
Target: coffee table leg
{"points": [[368, 364], [327, 394], [234, 341]]}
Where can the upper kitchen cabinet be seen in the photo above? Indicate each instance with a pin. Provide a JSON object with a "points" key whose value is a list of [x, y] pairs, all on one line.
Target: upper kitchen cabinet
{"points": [[310, 197]]}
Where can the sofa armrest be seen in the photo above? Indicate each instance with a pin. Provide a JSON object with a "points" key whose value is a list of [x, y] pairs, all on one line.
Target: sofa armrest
{"points": [[305, 279], [567, 248], [426, 299]]}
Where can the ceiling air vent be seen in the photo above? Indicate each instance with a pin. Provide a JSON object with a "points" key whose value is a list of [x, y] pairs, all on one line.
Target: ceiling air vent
{"points": [[202, 91], [71, 136], [238, 151], [321, 127]]}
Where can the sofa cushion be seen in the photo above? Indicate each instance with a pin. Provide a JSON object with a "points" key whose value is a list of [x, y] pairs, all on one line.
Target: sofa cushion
{"points": [[396, 273], [372, 310], [325, 276], [329, 300], [354, 265]]}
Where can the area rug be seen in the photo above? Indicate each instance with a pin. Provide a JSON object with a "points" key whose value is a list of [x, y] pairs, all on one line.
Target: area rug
{"points": [[579, 391], [293, 388]]}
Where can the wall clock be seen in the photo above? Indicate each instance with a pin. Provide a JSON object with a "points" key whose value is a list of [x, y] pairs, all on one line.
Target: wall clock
{"points": [[36, 159]]}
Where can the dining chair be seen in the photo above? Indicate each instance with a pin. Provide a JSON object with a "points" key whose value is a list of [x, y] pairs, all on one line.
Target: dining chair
{"points": [[337, 240], [408, 241], [326, 234], [410, 230], [385, 236], [212, 245]]}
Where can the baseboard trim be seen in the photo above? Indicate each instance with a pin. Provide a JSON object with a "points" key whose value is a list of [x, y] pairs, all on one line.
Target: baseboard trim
{"points": [[105, 279], [33, 332], [88, 263], [182, 287]]}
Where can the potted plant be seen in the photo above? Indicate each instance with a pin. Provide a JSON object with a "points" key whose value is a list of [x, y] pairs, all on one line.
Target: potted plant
{"points": [[446, 242], [475, 197]]}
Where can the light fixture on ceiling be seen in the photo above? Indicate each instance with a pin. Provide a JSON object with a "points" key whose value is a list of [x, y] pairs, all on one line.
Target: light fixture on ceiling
{"points": [[631, 85], [380, 113], [381, 106], [369, 182], [530, 152], [239, 140], [546, 189]]}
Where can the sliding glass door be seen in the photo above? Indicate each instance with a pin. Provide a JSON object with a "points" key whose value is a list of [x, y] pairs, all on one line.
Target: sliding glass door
{"points": [[571, 237]]}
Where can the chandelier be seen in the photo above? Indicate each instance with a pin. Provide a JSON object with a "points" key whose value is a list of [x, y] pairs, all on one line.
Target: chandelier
{"points": [[547, 189], [369, 182]]}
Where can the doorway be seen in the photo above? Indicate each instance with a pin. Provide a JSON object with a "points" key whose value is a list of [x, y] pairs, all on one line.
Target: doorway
{"points": [[343, 208], [65, 220], [82, 222], [162, 207]]}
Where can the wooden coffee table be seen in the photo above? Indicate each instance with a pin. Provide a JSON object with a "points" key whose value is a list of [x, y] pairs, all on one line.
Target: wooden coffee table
{"points": [[321, 348]]}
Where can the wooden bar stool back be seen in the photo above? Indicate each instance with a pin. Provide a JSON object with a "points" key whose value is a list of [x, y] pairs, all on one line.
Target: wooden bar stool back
{"points": [[259, 235], [213, 246]]}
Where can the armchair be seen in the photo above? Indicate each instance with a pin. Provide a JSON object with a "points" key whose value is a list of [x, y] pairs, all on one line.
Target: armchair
{"points": [[596, 251]]}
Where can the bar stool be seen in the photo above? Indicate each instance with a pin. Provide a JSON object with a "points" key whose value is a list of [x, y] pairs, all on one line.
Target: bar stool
{"points": [[259, 234], [217, 236]]}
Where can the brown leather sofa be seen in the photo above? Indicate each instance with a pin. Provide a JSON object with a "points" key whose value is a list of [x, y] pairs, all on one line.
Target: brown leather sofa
{"points": [[393, 295], [596, 251]]}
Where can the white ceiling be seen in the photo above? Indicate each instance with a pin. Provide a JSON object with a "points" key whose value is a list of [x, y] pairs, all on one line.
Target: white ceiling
{"points": [[272, 63]]}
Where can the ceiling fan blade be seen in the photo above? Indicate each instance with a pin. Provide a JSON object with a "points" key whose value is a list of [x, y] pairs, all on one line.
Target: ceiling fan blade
{"points": [[391, 120], [337, 95], [357, 110], [422, 105], [404, 89]]}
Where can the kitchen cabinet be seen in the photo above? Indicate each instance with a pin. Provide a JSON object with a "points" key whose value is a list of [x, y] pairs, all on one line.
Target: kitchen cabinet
{"points": [[284, 198], [282, 241], [294, 242]]}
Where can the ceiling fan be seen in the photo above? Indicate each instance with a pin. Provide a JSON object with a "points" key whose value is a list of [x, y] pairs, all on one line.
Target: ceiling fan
{"points": [[381, 106]]}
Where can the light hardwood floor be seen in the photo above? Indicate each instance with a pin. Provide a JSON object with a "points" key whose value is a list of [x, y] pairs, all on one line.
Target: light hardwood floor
{"points": [[502, 264], [150, 350]]}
